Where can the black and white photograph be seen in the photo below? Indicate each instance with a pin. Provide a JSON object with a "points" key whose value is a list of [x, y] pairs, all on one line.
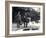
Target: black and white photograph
{"points": [[25, 18]]}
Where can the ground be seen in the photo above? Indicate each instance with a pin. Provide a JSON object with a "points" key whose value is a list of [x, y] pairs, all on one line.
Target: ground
{"points": [[31, 26]]}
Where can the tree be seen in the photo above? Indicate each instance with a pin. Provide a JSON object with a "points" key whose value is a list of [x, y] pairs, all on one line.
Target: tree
{"points": [[31, 13]]}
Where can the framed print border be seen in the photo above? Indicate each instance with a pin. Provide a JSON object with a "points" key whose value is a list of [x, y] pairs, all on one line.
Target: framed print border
{"points": [[7, 4]]}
